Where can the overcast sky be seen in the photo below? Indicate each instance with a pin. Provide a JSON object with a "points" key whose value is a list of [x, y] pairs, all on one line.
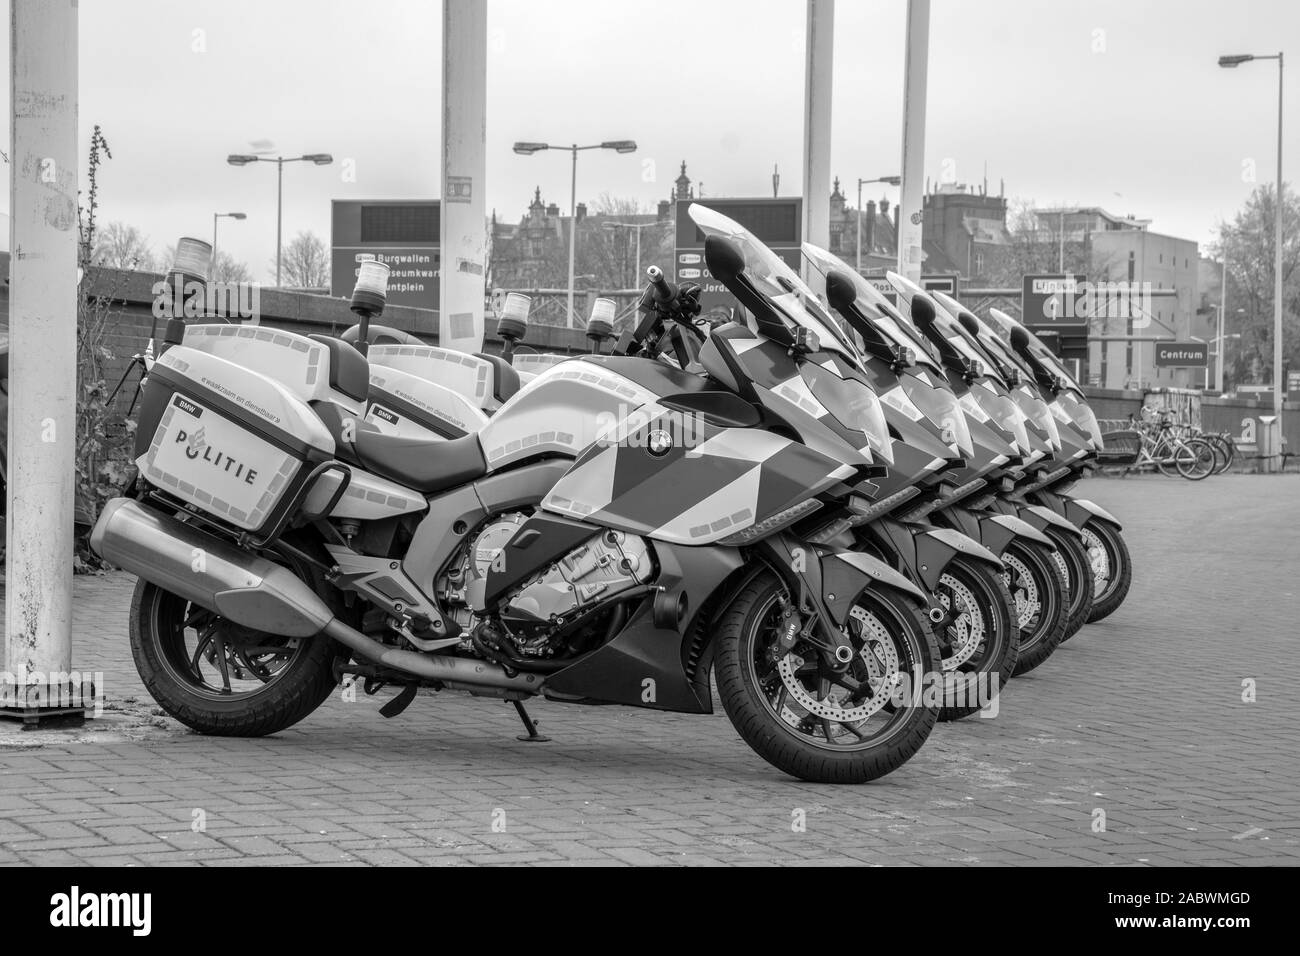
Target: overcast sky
{"points": [[1116, 103]]}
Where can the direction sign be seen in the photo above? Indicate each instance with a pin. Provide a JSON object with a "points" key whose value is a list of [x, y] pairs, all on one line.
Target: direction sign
{"points": [[406, 235], [1052, 299], [945, 282], [1182, 354]]}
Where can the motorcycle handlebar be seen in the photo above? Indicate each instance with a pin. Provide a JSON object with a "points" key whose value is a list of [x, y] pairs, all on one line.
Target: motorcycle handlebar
{"points": [[663, 289]]}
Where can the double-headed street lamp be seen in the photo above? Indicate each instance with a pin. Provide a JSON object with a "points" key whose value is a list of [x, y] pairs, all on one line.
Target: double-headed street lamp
{"points": [[619, 146], [215, 217], [892, 181], [1232, 62], [243, 159], [636, 227]]}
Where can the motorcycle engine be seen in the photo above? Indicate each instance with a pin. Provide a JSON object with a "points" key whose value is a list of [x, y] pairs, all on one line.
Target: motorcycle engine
{"points": [[602, 567]]}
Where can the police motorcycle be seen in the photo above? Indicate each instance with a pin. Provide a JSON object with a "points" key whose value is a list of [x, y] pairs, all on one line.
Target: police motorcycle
{"points": [[907, 373], [971, 611], [613, 533], [1082, 440], [991, 390]]}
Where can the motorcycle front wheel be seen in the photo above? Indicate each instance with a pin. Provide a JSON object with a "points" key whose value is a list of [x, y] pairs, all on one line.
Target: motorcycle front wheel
{"points": [[979, 639], [821, 722], [1073, 560], [1038, 586], [1112, 567], [220, 678]]}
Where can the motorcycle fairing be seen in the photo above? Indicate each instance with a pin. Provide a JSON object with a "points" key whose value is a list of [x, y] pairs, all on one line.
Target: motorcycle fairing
{"points": [[561, 412], [646, 665], [1080, 511], [771, 366], [720, 482]]}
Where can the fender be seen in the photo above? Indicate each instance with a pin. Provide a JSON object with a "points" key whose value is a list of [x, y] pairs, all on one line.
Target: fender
{"points": [[846, 573], [997, 531], [936, 548], [1049, 517], [1081, 511]]}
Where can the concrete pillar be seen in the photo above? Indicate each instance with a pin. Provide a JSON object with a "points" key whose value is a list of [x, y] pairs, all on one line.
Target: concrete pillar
{"points": [[464, 163], [819, 47], [912, 194], [43, 353]]}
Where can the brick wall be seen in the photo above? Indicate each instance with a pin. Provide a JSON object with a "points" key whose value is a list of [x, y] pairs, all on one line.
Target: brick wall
{"points": [[132, 321]]}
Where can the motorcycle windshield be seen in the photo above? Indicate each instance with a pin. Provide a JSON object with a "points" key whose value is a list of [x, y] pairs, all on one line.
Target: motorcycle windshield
{"points": [[941, 408], [1003, 324], [945, 324], [873, 304], [853, 404], [777, 282], [1032, 404], [1084, 417], [1006, 414]]}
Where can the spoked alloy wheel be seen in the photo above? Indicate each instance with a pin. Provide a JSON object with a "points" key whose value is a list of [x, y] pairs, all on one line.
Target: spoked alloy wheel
{"points": [[1077, 567], [1038, 586], [978, 639], [220, 678], [1104, 537], [807, 715]]}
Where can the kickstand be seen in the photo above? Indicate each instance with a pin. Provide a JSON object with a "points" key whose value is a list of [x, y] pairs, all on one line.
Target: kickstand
{"points": [[530, 725], [400, 702]]}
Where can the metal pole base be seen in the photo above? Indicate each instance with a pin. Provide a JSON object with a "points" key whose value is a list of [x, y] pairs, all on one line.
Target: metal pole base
{"points": [[41, 706]]}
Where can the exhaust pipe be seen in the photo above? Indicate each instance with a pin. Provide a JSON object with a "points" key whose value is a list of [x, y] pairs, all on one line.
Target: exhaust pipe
{"points": [[256, 593]]}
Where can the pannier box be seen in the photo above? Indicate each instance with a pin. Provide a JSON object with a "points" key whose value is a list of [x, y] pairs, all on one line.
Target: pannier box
{"points": [[306, 366], [230, 441], [404, 404], [469, 375]]}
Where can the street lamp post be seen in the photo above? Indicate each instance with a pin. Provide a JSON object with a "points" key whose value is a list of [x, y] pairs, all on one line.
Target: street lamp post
{"points": [[891, 180], [215, 217], [1232, 62], [1223, 306], [619, 146], [243, 159], [636, 227]]}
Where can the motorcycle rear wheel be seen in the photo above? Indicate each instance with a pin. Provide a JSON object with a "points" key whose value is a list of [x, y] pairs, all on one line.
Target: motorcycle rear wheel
{"points": [[219, 678], [809, 721]]}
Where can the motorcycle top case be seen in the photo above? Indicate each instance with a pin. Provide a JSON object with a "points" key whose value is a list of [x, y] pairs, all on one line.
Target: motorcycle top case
{"points": [[229, 441]]}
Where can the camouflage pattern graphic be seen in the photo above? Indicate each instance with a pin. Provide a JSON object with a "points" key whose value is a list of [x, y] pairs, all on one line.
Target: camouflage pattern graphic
{"points": [[645, 479], [811, 388]]}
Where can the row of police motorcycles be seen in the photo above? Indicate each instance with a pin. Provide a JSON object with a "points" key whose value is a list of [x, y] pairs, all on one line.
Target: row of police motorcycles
{"points": [[843, 521]]}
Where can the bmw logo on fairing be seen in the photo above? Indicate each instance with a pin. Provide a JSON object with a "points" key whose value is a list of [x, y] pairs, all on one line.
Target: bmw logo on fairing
{"points": [[659, 442]]}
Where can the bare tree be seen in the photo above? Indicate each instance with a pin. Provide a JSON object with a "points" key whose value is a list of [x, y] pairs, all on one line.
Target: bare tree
{"points": [[1248, 244], [305, 262], [119, 246], [227, 269]]}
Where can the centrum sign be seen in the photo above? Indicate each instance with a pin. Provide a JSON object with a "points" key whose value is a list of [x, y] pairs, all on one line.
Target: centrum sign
{"points": [[404, 235], [1182, 354], [937, 282]]}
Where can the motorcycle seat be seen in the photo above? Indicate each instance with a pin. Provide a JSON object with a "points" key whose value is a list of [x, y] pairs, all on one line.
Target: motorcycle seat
{"points": [[427, 465], [421, 464]]}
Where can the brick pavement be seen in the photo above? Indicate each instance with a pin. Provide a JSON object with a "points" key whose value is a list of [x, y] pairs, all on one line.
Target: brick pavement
{"points": [[1140, 716]]}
